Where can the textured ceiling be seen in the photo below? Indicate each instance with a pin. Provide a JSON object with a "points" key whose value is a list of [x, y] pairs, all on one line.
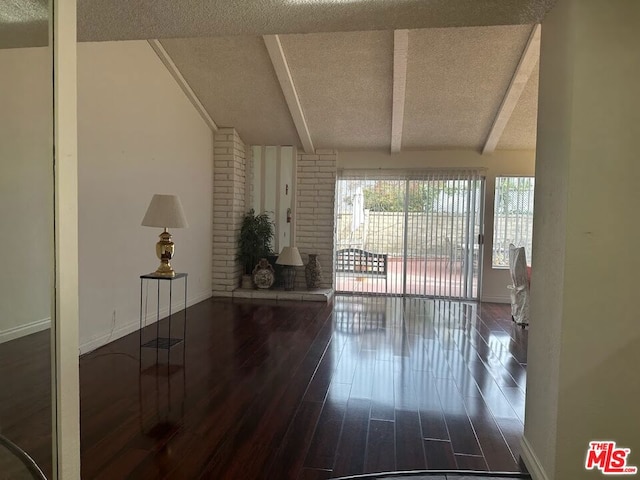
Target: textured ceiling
{"points": [[456, 80], [343, 81], [144, 19], [234, 79], [456, 77], [520, 132], [103, 20], [24, 23]]}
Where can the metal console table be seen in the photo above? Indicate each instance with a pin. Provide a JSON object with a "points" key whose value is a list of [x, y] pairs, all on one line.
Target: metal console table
{"points": [[16, 463], [169, 341], [162, 386]]}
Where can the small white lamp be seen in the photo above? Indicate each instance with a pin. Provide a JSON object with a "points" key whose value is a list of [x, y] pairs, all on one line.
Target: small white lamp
{"points": [[289, 258], [165, 211]]}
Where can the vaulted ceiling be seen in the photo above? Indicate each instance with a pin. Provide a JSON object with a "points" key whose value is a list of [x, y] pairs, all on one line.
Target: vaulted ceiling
{"points": [[347, 74], [455, 83]]}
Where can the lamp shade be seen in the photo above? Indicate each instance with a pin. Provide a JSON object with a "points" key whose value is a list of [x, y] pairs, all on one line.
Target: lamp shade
{"points": [[165, 211], [290, 256]]}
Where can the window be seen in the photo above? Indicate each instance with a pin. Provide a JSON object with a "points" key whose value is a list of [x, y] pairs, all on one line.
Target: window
{"points": [[513, 218]]}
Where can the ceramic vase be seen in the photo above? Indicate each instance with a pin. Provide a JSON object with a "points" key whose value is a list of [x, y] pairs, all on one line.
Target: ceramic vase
{"points": [[263, 274], [313, 272]]}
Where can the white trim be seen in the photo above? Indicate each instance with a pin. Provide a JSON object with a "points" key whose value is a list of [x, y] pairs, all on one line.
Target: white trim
{"points": [[24, 330], [182, 83], [496, 299], [400, 57], [294, 197], [66, 373], [525, 67], [103, 339], [278, 194], [531, 461], [281, 67]]}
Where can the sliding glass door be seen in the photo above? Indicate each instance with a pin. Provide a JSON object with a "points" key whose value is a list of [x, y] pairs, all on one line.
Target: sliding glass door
{"points": [[409, 233]]}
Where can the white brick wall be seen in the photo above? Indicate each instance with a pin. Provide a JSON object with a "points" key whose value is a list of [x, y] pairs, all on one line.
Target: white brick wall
{"points": [[229, 166], [316, 179], [316, 183]]}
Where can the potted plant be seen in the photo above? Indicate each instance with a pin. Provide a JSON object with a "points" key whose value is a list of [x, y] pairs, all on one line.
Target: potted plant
{"points": [[255, 242]]}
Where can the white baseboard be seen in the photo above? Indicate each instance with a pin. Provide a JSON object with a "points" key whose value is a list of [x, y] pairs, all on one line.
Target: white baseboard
{"points": [[531, 461], [100, 340], [497, 299], [199, 298], [24, 330]]}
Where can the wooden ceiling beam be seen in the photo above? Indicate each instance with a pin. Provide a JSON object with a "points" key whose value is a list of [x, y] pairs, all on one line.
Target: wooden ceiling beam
{"points": [[525, 67], [280, 65], [400, 57], [182, 83]]}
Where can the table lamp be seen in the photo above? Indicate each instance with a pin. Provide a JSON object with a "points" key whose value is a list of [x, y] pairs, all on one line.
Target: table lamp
{"points": [[289, 258], [165, 211]]}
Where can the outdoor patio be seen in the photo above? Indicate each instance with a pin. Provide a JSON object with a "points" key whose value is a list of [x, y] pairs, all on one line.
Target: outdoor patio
{"points": [[431, 276]]}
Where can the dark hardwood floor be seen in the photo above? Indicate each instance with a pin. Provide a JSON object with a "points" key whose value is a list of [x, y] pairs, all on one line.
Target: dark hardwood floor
{"points": [[25, 401], [310, 391]]}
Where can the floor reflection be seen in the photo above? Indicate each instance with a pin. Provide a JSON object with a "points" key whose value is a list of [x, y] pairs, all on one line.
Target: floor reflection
{"points": [[304, 390], [437, 371]]}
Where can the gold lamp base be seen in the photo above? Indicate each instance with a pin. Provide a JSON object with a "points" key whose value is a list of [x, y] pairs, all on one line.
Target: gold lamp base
{"points": [[165, 249]]}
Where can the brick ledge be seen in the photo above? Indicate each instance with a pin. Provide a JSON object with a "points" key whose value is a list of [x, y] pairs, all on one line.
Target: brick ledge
{"points": [[318, 295]]}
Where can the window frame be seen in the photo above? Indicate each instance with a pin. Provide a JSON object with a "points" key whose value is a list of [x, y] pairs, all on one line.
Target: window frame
{"points": [[496, 231]]}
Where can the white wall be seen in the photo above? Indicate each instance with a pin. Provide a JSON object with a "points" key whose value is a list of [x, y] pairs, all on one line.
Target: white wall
{"points": [[138, 134], [502, 162], [26, 191], [549, 224], [583, 342]]}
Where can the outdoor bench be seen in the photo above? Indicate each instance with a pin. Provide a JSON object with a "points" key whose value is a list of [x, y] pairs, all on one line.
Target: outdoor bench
{"points": [[361, 262]]}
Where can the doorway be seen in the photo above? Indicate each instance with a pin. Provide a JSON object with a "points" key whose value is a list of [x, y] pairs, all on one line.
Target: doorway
{"points": [[409, 233]]}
